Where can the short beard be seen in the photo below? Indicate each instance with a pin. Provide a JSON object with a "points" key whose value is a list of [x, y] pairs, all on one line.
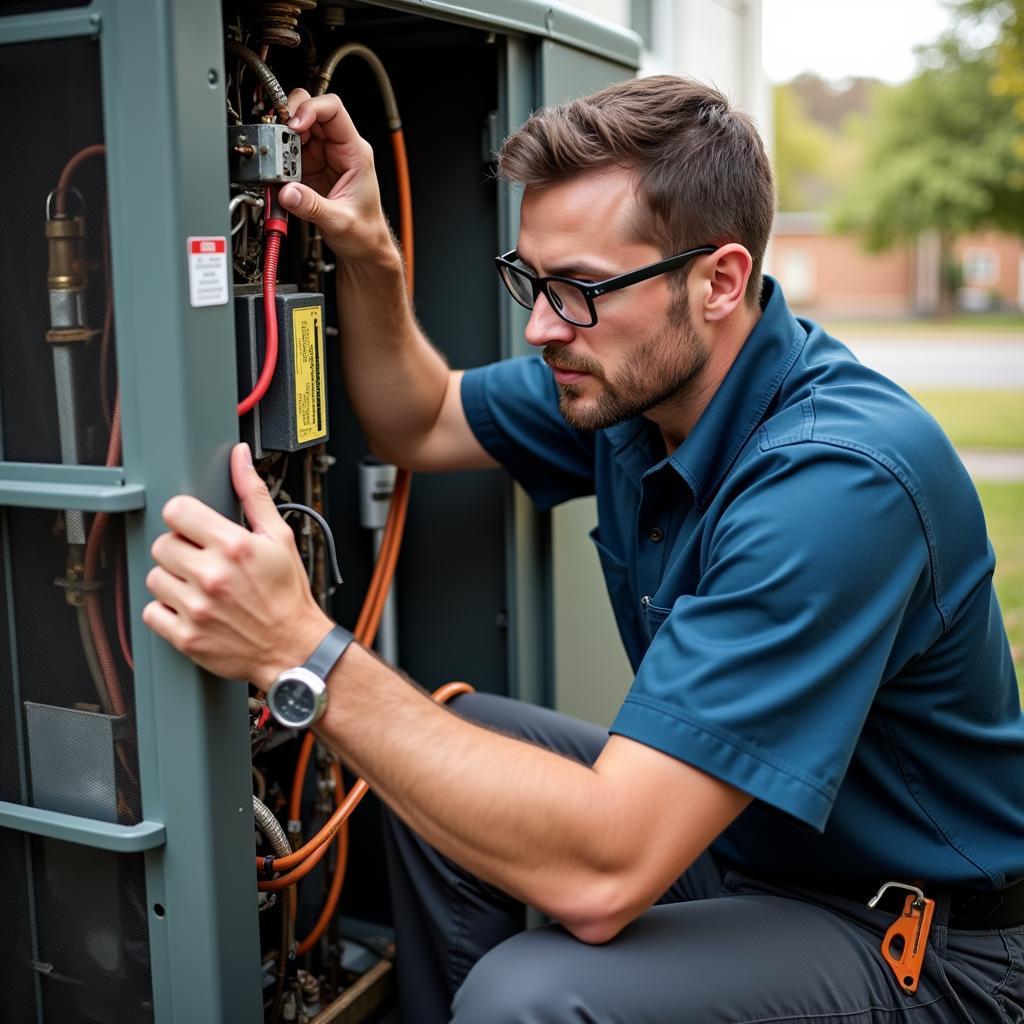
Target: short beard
{"points": [[657, 373]]}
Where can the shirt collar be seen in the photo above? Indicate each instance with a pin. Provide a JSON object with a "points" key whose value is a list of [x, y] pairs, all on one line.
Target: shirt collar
{"points": [[732, 415], [743, 397]]}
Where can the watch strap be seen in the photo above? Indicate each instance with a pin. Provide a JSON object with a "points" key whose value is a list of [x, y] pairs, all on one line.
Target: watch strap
{"points": [[328, 651]]}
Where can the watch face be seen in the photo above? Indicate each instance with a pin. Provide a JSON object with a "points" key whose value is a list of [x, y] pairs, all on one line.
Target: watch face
{"points": [[297, 698], [294, 701]]}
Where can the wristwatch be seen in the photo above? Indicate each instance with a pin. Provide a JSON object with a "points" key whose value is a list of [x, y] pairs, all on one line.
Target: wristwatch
{"points": [[298, 696]]}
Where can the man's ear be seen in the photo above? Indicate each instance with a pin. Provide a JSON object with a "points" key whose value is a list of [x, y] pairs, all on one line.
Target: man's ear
{"points": [[724, 281]]}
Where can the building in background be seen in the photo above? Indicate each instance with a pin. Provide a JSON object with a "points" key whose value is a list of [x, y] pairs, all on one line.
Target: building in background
{"points": [[827, 276]]}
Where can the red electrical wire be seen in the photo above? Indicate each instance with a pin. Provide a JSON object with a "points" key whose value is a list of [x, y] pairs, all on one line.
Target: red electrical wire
{"points": [[276, 228]]}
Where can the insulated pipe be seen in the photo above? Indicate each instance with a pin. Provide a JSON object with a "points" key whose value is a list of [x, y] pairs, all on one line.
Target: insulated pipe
{"points": [[271, 828], [387, 92], [397, 138], [265, 75]]}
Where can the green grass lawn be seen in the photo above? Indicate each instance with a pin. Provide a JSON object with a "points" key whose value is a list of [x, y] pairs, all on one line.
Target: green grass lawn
{"points": [[978, 419], [1004, 511], [987, 325]]}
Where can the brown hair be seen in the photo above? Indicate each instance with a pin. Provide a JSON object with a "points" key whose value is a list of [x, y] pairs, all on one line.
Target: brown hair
{"points": [[702, 172]]}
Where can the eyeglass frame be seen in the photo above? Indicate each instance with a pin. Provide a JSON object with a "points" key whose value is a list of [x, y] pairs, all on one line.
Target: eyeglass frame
{"points": [[593, 289]]}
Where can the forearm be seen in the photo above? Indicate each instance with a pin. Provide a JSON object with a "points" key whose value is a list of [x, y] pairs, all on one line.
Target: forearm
{"points": [[543, 828], [396, 380]]}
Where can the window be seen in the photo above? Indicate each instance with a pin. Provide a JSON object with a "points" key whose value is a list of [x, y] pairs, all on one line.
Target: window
{"points": [[797, 275], [981, 268]]}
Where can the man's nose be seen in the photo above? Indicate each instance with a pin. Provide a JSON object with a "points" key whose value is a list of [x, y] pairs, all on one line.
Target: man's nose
{"points": [[546, 326]]}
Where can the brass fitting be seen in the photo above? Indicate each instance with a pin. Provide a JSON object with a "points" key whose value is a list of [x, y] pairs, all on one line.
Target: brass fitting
{"points": [[67, 270]]}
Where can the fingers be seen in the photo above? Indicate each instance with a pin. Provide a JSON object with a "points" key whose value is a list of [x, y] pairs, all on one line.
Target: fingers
{"points": [[177, 555], [197, 522], [325, 117], [168, 589], [163, 620], [259, 507]]}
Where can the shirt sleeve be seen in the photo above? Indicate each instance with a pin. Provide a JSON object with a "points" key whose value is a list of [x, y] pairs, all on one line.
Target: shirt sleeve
{"points": [[764, 677], [512, 408]]}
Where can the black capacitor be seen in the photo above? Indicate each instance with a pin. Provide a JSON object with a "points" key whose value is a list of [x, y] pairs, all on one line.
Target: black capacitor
{"points": [[293, 413]]}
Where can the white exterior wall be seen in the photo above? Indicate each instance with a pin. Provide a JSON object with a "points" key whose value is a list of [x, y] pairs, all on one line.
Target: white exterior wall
{"points": [[717, 41]]}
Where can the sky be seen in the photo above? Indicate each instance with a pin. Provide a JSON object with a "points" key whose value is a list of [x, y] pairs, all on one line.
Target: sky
{"points": [[846, 38]]}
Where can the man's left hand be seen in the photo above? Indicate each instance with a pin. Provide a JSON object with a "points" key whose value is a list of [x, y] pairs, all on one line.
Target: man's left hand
{"points": [[236, 601]]}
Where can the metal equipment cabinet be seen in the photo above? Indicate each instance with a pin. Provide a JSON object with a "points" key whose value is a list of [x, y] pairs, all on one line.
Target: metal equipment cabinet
{"points": [[141, 910]]}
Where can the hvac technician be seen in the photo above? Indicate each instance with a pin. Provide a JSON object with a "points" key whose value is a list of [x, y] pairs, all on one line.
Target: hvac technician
{"points": [[824, 697]]}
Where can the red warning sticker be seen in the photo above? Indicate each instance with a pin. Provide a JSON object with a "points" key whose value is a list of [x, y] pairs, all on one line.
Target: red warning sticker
{"points": [[208, 281]]}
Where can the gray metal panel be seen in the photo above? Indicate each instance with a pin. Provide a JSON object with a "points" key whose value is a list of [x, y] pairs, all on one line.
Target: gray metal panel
{"points": [[527, 530], [590, 667], [102, 835], [547, 18], [24, 28], [71, 760], [87, 488], [163, 95]]}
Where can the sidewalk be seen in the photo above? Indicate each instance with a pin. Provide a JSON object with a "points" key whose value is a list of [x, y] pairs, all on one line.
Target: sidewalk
{"points": [[994, 466]]}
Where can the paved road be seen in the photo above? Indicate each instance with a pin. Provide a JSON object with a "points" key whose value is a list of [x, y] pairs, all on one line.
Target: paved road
{"points": [[994, 466], [916, 361], [954, 362]]}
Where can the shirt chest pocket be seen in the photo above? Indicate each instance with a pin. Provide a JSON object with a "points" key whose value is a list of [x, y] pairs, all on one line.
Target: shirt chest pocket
{"points": [[654, 616], [629, 615]]}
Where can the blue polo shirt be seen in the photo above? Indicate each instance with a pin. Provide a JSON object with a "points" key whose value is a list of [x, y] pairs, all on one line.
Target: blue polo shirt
{"points": [[804, 589]]}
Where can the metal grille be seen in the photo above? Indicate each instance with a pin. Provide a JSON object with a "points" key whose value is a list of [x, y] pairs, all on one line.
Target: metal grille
{"points": [[88, 959], [20, 983], [83, 752]]}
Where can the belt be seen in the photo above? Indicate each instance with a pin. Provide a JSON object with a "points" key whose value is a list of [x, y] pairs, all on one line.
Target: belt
{"points": [[969, 909]]}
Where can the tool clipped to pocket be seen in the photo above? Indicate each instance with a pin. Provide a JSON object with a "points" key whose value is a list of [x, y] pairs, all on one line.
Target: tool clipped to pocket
{"points": [[906, 940]]}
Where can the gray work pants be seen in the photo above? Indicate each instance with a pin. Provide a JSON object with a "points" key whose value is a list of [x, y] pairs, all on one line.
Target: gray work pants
{"points": [[719, 947]]}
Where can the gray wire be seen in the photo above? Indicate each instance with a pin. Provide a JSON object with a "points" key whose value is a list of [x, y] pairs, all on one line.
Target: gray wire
{"points": [[294, 506]]}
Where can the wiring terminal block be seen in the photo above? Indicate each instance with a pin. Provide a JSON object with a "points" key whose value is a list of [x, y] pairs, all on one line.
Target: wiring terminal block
{"points": [[264, 154]]}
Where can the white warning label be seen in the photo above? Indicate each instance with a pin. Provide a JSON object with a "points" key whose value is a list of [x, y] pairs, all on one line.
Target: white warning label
{"points": [[208, 283]]}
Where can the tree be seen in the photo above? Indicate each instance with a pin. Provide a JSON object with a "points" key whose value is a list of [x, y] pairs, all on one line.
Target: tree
{"points": [[801, 150], [815, 153], [941, 156], [1005, 18]]}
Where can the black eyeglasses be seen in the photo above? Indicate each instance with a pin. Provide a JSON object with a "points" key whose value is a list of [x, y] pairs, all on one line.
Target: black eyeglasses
{"points": [[573, 300]]}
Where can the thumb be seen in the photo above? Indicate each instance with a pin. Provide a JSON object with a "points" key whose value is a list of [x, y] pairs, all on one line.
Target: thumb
{"points": [[306, 203], [252, 492]]}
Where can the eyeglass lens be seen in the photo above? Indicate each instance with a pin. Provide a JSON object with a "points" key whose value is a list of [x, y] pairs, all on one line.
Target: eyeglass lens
{"points": [[568, 301]]}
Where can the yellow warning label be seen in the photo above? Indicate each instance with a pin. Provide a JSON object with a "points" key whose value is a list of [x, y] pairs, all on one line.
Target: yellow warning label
{"points": [[310, 396]]}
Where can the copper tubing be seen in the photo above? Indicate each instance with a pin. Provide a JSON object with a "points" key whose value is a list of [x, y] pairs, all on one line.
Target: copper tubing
{"points": [[91, 571], [277, 95], [368, 623], [441, 696], [366, 629], [338, 880], [64, 182], [121, 610], [404, 203]]}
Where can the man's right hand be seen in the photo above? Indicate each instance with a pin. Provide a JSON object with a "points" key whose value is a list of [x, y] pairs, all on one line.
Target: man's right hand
{"points": [[339, 193]]}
